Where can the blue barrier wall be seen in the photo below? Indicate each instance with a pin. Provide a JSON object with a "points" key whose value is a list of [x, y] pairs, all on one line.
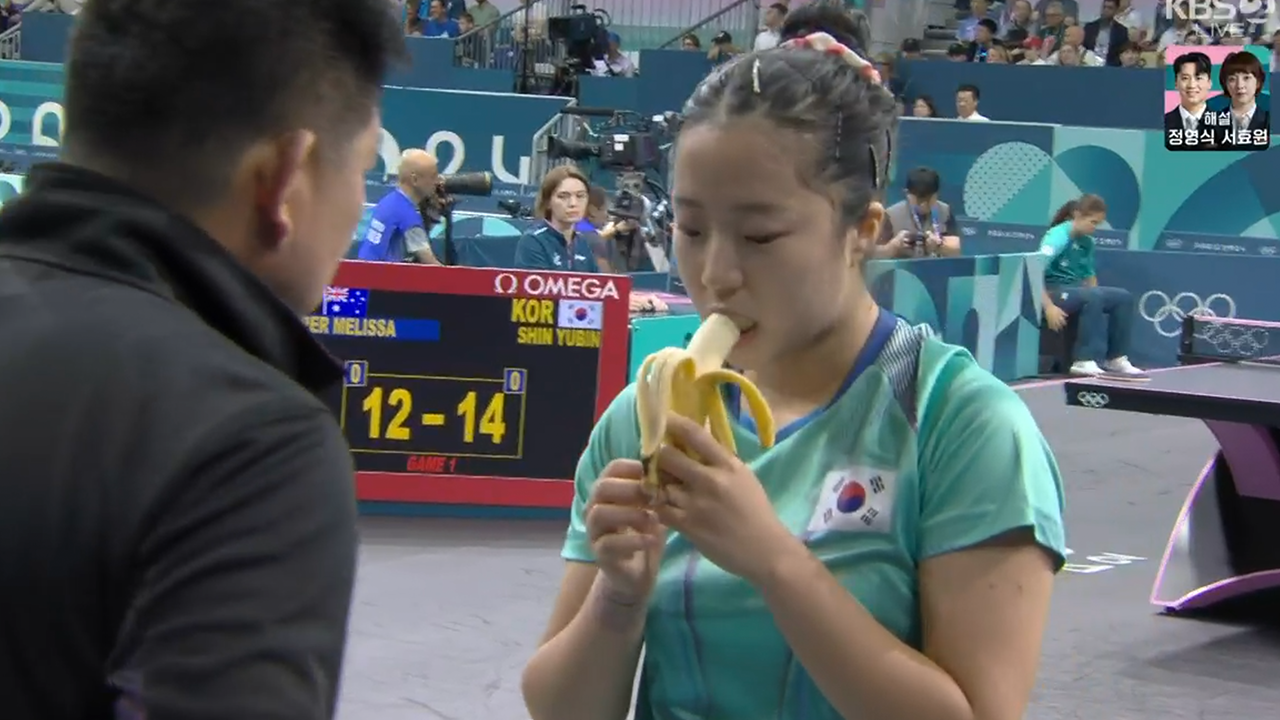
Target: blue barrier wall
{"points": [[1169, 285], [1005, 180], [1129, 98], [1116, 97]]}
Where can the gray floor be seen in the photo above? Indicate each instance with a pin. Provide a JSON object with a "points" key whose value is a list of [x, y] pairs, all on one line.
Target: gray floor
{"points": [[447, 611]]}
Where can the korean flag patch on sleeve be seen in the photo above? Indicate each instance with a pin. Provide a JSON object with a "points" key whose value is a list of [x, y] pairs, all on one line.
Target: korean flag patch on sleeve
{"points": [[855, 499]]}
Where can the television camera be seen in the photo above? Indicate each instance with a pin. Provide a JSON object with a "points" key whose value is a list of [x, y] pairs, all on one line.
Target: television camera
{"points": [[438, 206], [582, 34], [632, 148]]}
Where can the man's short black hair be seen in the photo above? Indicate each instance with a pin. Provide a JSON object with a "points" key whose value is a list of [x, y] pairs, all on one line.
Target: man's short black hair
{"points": [[971, 89], [990, 25], [1203, 65], [923, 182], [169, 94]]}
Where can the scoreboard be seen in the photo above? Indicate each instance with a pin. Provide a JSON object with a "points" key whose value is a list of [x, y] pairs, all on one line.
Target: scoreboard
{"points": [[471, 385]]}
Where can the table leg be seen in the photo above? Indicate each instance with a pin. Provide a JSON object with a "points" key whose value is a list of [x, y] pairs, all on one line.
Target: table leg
{"points": [[1226, 541]]}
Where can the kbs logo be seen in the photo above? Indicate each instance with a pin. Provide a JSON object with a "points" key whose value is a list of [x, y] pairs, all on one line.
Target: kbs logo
{"points": [[557, 286], [1224, 18]]}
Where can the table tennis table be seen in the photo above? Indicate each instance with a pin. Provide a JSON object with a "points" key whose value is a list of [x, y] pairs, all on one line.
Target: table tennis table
{"points": [[1225, 543]]}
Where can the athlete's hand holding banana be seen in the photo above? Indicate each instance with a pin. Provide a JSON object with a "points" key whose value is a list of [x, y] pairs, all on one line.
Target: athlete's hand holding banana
{"points": [[625, 534], [703, 490], [687, 382]]}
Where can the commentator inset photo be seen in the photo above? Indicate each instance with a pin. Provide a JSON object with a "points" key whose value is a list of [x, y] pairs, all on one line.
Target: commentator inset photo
{"points": [[1215, 98]]}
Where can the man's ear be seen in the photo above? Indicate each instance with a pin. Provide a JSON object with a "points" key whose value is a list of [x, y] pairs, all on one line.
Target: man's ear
{"points": [[279, 168]]}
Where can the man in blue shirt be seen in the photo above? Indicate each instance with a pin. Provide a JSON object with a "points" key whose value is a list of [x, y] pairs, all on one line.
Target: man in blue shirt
{"points": [[437, 23], [396, 232]]}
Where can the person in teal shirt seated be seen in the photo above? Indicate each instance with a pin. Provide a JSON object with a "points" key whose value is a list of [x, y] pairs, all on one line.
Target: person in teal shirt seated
{"points": [[1104, 315], [555, 243], [892, 556]]}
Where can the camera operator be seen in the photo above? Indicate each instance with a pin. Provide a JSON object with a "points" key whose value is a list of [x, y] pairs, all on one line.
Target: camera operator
{"points": [[556, 244], [921, 225], [606, 236], [398, 231]]}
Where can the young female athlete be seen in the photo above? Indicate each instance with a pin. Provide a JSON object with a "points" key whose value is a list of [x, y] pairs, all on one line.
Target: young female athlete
{"points": [[892, 556], [1104, 314]]}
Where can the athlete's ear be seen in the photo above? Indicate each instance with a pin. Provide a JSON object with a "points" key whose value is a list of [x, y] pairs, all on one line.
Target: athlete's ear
{"points": [[861, 238]]}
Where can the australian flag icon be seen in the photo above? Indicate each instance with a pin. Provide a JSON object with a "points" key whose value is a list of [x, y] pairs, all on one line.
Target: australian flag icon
{"points": [[345, 302]]}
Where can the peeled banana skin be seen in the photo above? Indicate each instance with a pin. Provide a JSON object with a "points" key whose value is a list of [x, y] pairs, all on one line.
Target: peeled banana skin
{"points": [[687, 381]]}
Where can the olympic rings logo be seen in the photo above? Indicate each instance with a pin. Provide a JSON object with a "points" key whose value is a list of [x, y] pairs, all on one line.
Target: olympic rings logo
{"points": [[1092, 399], [1167, 313]]}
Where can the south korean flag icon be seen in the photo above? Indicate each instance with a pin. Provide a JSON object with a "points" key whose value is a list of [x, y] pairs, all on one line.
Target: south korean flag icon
{"points": [[856, 499]]}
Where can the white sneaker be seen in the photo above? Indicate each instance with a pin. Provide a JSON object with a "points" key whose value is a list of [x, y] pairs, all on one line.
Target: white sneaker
{"points": [[1086, 367], [1123, 368]]}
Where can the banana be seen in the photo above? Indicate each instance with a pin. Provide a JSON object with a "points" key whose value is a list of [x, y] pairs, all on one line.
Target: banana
{"points": [[687, 381]]}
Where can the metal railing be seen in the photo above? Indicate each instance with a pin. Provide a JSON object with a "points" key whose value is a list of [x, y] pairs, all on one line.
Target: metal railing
{"points": [[741, 19], [516, 41], [649, 24], [11, 43]]}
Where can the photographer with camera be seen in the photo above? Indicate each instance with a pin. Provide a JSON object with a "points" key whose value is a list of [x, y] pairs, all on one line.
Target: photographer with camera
{"points": [[922, 225], [397, 231]]}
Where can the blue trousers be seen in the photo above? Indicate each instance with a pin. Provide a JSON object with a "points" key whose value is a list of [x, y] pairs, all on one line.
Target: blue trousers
{"points": [[1104, 317]]}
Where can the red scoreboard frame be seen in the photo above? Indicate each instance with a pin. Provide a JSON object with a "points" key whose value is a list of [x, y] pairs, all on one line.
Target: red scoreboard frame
{"points": [[449, 489]]}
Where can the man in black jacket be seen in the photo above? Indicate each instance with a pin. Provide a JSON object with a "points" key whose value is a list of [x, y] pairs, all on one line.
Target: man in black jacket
{"points": [[177, 510]]}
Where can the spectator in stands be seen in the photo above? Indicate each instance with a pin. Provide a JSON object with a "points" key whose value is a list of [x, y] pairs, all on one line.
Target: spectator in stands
{"points": [[554, 243], [615, 63], [999, 55], [921, 225], [484, 13], [1159, 22], [958, 52], [1019, 17], [1068, 56], [1126, 14], [466, 23], [690, 41], [722, 48], [979, 10], [967, 99], [910, 49], [1105, 36], [1182, 31], [10, 16], [396, 231], [1130, 55], [1070, 10], [1052, 26], [923, 107], [1104, 315], [438, 24], [984, 36], [774, 16], [455, 8], [1073, 37]]}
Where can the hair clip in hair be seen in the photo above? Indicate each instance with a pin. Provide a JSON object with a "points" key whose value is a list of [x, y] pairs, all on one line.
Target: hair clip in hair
{"points": [[822, 42], [755, 76]]}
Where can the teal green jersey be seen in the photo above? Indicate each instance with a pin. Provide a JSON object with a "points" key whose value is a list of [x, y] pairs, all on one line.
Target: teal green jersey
{"points": [[925, 453], [1070, 258]]}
